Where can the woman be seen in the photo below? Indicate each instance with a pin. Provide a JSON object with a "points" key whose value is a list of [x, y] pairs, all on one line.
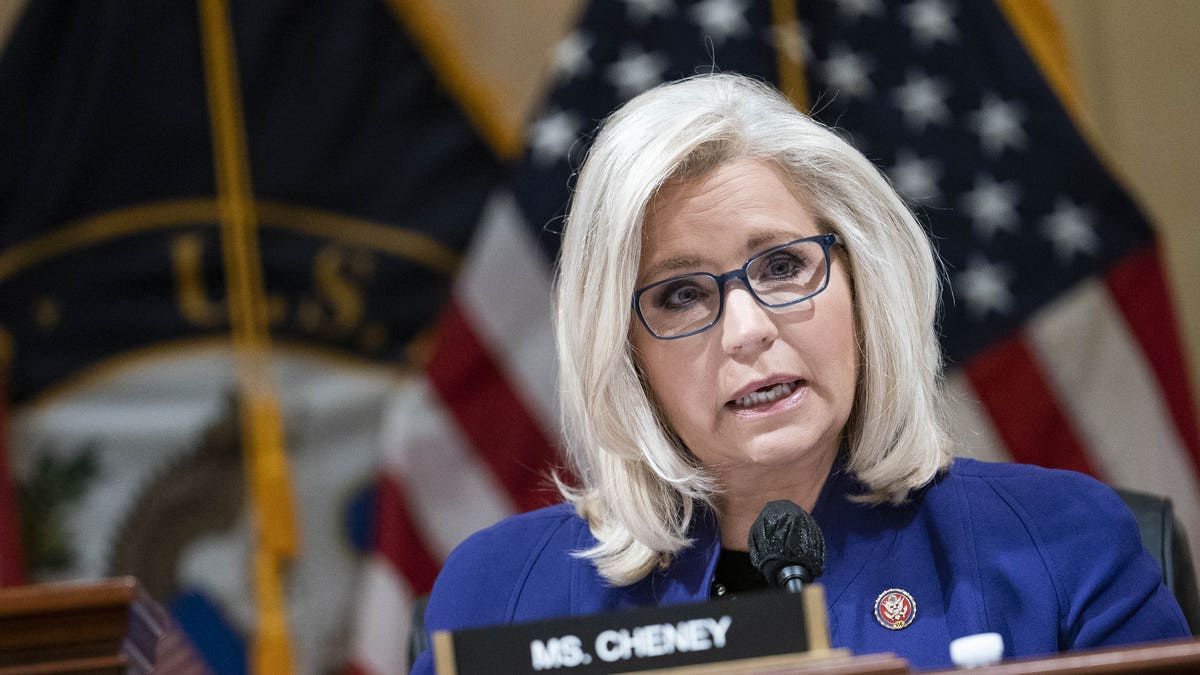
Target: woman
{"points": [[745, 312]]}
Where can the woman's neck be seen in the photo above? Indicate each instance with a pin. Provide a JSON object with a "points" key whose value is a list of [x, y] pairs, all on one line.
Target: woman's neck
{"points": [[745, 496]]}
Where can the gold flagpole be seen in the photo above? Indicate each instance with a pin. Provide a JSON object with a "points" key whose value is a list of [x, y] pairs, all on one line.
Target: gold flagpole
{"points": [[789, 52], [268, 482]]}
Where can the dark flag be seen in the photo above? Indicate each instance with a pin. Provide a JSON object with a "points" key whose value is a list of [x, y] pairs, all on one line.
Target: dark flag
{"points": [[194, 195]]}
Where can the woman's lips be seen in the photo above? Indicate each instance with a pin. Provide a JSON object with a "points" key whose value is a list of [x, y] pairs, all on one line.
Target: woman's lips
{"points": [[766, 396]]}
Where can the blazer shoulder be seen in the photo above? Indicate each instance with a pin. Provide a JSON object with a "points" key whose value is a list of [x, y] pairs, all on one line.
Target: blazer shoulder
{"points": [[1051, 505], [1025, 485], [1106, 587]]}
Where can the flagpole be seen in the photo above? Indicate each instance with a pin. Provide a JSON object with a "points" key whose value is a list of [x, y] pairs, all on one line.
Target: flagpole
{"points": [[789, 52], [269, 485]]}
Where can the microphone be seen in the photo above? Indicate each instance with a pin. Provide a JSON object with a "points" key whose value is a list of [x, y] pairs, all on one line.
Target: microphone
{"points": [[787, 546]]}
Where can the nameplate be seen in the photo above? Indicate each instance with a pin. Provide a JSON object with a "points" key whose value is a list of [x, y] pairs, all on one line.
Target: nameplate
{"points": [[651, 638]]}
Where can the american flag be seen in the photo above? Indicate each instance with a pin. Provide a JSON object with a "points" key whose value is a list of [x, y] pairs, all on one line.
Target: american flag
{"points": [[1057, 325]]}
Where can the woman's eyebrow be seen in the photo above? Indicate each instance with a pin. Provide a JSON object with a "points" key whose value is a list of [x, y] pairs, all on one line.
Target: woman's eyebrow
{"points": [[674, 264], [757, 240], [760, 238]]}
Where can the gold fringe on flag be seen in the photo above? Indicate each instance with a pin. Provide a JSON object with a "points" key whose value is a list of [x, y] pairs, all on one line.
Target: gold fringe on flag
{"points": [[1038, 29], [430, 29]]}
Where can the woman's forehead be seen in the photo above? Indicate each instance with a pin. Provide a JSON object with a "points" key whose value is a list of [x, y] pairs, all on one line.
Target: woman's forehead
{"points": [[737, 209]]}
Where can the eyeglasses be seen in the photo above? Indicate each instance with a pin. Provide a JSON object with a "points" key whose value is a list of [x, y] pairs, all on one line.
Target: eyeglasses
{"points": [[777, 277]]}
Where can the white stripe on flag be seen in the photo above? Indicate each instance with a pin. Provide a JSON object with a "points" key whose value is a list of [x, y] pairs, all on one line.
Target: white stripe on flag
{"points": [[451, 492], [1102, 378], [504, 290], [381, 625], [971, 428]]}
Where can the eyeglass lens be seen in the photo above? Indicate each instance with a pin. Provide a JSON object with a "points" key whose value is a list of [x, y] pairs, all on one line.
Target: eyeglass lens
{"points": [[692, 302]]}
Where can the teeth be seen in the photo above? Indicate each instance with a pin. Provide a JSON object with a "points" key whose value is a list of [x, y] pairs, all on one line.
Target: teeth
{"points": [[768, 395]]}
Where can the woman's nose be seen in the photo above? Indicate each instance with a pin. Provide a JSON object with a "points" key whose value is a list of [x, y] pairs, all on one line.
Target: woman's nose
{"points": [[747, 326]]}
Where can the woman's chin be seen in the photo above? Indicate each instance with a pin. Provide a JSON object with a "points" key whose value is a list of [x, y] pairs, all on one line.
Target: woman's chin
{"points": [[768, 460]]}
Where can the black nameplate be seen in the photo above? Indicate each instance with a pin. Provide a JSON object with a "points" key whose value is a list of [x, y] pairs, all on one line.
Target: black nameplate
{"points": [[752, 625]]}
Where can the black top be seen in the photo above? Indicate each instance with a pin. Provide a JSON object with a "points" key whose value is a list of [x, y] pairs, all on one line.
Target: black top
{"points": [[735, 574]]}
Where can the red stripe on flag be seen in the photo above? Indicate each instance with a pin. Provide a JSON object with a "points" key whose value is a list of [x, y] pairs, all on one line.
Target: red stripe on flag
{"points": [[1024, 409], [399, 541], [489, 412], [12, 564], [1139, 289]]}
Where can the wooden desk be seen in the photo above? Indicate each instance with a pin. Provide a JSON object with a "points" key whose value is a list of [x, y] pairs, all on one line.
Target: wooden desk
{"points": [[111, 626], [1160, 658]]}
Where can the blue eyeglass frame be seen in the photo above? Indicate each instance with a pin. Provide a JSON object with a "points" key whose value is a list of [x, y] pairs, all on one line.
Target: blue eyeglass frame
{"points": [[826, 241]]}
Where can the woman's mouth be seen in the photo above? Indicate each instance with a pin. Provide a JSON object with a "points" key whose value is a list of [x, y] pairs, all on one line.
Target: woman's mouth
{"points": [[766, 395]]}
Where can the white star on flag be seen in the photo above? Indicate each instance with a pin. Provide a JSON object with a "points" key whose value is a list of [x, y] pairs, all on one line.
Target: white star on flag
{"points": [[635, 72], [848, 72], [930, 22], [550, 137], [917, 178], [571, 55], [922, 99], [984, 286], [641, 11], [857, 9], [992, 206], [998, 124], [1071, 229], [721, 19]]}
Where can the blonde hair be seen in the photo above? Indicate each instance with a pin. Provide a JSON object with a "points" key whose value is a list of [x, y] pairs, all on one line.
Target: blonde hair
{"points": [[638, 487]]}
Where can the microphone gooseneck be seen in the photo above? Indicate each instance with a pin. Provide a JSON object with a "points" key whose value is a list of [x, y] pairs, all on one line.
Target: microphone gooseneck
{"points": [[787, 546]]}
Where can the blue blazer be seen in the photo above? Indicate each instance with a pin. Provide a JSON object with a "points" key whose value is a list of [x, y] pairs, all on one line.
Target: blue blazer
{"points": [[1051, 560]]}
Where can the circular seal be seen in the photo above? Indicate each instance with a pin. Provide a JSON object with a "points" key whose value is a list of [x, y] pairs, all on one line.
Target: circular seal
{"points": [[895, 608]]}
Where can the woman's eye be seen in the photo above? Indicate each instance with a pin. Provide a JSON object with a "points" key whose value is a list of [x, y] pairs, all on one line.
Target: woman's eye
{"points": [[679, 296], [783, 266]]}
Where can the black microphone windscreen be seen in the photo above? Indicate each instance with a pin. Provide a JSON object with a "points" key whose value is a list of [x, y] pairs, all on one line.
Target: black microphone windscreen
{"points": [[785, 534]]}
